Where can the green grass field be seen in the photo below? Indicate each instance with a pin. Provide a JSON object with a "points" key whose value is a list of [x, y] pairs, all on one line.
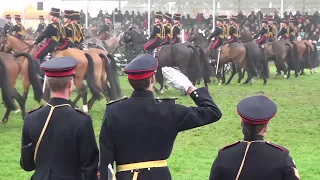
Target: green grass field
{"points": [[296, 127]]}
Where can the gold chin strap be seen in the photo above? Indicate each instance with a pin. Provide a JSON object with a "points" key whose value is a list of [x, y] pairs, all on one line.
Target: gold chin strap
{"points": [[45, 128], [244, 158]]}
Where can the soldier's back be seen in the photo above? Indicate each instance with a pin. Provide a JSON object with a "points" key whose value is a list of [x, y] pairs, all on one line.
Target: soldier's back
{"points": [[264, 161]]}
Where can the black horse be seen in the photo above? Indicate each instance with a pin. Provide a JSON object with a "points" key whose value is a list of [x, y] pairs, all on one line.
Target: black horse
{"points": [[188, 58]]}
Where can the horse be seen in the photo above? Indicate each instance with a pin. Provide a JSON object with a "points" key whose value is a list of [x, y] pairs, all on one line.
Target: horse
{"points": [[86, 68], [185, 56], [236, 53], [24, 66]]}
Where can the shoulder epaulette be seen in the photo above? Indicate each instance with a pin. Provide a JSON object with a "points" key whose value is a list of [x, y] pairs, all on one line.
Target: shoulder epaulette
{"points": [[78, 110], [35, 109], [227, 146], [166, 99], [277, 146], [112, 102]]}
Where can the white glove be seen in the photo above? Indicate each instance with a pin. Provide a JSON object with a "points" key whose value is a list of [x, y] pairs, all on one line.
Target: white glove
{"points": [[176, 79]]}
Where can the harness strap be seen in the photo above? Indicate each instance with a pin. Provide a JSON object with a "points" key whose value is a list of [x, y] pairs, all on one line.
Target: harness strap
{"points": [[45, 128]]}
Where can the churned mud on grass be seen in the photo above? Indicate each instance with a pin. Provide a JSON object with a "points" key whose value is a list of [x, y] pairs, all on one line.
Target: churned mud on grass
{"points": [[296, 127]]}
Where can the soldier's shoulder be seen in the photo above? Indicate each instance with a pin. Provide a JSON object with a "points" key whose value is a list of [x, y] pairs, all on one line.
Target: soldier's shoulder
{"points": [[229, 145], [34, 110], [277, 146], [116, 101], [80, 112]]}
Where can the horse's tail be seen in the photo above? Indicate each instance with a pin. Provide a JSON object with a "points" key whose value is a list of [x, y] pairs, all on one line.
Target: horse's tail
{"points": [[206, 67], [112, 76], [250, 62], [5, 87], [294, 55], [91, 78], [264, 63], [194, 66], [33, 77]]}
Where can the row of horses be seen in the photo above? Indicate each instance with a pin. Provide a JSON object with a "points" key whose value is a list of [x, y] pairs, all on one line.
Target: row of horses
{"points": [[96, 67], [245, 56]]}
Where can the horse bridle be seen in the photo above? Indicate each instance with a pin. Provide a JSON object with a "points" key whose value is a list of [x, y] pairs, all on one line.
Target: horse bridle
{"points": [[29, 46]]}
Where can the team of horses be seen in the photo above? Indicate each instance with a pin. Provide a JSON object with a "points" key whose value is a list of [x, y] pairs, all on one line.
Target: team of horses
{"points": [[96, 70]]}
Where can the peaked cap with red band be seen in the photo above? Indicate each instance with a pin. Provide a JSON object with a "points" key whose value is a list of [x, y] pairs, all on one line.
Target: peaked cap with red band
{"points": [[141, 67], [59, 67], [257, 109]]}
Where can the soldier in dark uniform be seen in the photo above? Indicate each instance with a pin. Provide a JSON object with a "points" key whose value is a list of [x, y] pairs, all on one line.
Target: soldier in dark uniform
{"points": [[79, 37], [8, 26], [284, 30], [234, 30], [272, 29], [69, 27], [254, 158], [262, 33], [176, 28], [155, 37], [292, 30], [166, 29], [54, 33], [218, 34], [18, 28], [225, 28], [138, 133], [58, 141], [104, 30], [42, 25]]}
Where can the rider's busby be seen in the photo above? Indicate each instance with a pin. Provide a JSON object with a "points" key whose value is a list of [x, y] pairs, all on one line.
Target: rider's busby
{"points": [[17, 18], [158, 15], [68, 14], [41, 18], [291, 20], [8, 16], [167, 16], [76, 15], [55, 12], [225, 18], [177, 17], [234, 19], [264, 20], [284, 20], [219, 18]]}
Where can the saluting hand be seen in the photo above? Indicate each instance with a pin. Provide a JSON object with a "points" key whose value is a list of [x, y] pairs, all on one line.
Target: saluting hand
{"points": [[176, 79]]}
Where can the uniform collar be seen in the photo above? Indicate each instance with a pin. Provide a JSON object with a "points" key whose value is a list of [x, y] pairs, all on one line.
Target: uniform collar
{"points": [[58, 101], [143, 93], [255, 138]]}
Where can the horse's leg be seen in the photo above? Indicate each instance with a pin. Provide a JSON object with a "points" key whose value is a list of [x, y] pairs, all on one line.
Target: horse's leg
{"points": [[82, 90], [6, 116], [21, 101], [159, 79], [276, 64], [233, 72], [223, 75], [240, 74]]}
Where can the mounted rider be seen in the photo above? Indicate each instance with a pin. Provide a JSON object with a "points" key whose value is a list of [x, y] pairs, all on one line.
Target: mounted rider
{"points": [[225, 28], [234, 30], [272, 29], [9, 25], [79, 34], [42, 25], [284, 30], [176, 28], [155, 37], [262, 33], [18, 28], [54, 33], [291, 30], [104, 32], [217, 34], [166, 29], [69, 27]]}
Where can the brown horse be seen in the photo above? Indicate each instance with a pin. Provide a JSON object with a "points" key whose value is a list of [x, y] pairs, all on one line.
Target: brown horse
{"points": [[234, 53], [95, 66], [25, 67]]}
